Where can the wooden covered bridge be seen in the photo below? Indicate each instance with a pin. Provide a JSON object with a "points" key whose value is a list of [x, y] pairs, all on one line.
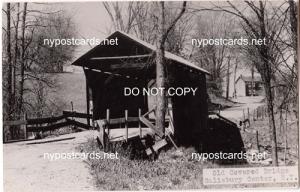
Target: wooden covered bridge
{"points": [[111, 68]]}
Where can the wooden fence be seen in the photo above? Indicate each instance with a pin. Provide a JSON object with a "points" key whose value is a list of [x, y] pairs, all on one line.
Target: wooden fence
{"points": [[47, 124], [139, 122], [261, 113]]}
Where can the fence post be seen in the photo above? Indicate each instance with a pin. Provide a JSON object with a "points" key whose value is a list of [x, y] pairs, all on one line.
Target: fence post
{"points": [[3, 133], [126, 125], [285, 134], [243, 114], [87, 98], [25, 126], [257, 141], [51, 123], [140, 126], [107, 119], [248, 113], [94, 125], [72, 110], [107, 126], [260, 113]]}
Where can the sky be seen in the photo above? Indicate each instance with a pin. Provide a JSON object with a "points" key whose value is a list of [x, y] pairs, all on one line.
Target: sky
{"points": [[91, 20]]}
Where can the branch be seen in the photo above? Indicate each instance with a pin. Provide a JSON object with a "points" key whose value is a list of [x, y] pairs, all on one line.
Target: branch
{"points": [[41, 12], [174, 22]]}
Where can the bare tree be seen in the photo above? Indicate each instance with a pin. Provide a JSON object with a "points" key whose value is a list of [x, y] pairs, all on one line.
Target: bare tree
{"points": [[139, 18], [228, 77], [22, 63], [266, 21], [293, 25], [9, 63], [16, 57], [163, 33], [215, 58], [259, 25], [264, 63], [47, 58], [121, 21], [234, 76]]}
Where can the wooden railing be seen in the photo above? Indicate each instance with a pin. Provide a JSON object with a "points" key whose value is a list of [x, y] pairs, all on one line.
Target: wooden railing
{"points": [[48, 123], [105, 126]]}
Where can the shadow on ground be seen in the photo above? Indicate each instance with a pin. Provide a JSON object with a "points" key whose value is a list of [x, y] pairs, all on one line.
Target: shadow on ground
{"points": [[222, 136]]}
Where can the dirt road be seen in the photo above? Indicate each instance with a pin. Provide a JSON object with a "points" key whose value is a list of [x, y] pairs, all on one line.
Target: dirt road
{"points": [[235, 113], [26, 169]]}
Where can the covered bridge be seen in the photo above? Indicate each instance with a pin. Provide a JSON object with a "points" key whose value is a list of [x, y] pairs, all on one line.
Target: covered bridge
{"points": [[111, 68]]}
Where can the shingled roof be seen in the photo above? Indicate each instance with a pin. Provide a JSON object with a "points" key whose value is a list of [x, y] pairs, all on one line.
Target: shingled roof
{"points": [[248, 78], [129, 46]]}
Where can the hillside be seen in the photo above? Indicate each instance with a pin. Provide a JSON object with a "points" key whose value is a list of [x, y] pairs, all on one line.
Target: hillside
{"points": [[67, 88]]}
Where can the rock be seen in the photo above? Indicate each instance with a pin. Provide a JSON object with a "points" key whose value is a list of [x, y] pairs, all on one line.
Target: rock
{"points": [[281, 163], [266, 155], [252, 152], [178, 153], [249, 145], [266, 161]]}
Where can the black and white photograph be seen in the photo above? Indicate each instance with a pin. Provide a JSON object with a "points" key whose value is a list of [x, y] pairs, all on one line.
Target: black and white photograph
{"points": [[150, 95]]}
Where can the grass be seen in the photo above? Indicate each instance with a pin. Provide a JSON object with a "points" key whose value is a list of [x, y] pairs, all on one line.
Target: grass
{"points": [[168, 172], [262, 126]]}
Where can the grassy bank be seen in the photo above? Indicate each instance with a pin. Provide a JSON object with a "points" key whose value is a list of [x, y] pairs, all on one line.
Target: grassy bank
{"points": [[287, 139], [169, 171]]}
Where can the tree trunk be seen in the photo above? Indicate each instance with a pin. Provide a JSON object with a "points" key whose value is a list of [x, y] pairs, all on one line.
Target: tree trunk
{"points": [[266, 72], [8, 116], [9, 64], [293, 21], [22, 69], [234, 78], [161, 102], [271, 119], [228, 78], [160, 73], [252, 80], [266, 75], [16, 56], [293, 24]]}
